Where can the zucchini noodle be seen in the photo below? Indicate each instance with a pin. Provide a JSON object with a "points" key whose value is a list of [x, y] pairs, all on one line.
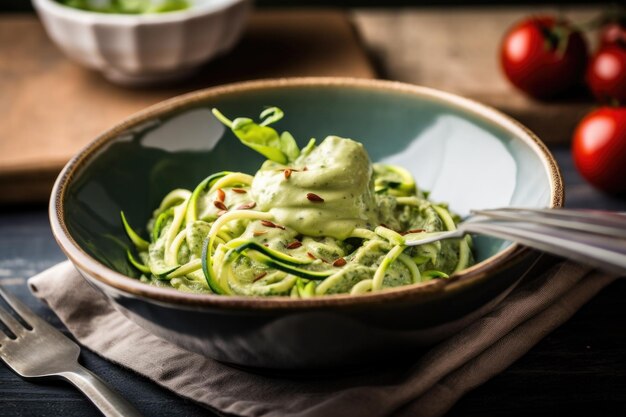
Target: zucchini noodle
{"points": [[362, 287], [192, 209], [233, 178], [379, 275], [363, 234], [464, 250], [318, 221], [173, 198]]}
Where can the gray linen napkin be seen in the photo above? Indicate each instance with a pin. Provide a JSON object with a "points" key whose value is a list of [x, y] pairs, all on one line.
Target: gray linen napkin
{"points": [[428, 387]]}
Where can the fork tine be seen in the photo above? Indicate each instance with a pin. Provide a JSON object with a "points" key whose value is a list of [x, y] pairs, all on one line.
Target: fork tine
{"points": [[20, 308], [13, 325], [3, 337]]}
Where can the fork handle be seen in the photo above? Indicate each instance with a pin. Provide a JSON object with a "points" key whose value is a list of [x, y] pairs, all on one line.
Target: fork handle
{"points": [[108, 401], [604, 252], [607, 223]]}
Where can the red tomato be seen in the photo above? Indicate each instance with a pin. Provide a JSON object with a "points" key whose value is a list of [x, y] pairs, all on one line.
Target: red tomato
{"points": [[599, 148], [544, 57], [606, 75], [613, 33]]}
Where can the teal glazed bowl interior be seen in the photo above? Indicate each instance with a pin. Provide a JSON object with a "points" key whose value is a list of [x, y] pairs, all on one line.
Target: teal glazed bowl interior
{"points": [[463, 152]]}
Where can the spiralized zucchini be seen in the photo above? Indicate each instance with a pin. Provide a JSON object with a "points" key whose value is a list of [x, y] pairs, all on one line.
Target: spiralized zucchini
{"points": [[311, 222]]}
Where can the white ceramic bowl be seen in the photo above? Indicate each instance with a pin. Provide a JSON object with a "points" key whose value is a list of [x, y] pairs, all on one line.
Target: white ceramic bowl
{"points": [[146, 48]]}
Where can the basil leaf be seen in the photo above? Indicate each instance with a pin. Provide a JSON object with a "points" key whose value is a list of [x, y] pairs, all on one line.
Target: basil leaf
{"points": [[289, 146], [262, 139], [309, 147], [271, 115]]}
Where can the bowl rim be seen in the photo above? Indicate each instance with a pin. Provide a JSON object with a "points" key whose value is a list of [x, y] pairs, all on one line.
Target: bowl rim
{"points": [[408, 293], [87, 16]]}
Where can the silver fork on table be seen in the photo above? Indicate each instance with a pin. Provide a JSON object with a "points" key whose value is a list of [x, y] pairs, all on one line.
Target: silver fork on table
{"points": [[594, 237], [40, 351]]}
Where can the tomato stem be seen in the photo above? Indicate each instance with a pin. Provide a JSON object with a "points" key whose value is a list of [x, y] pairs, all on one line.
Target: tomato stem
{"points": [[556, 37]]}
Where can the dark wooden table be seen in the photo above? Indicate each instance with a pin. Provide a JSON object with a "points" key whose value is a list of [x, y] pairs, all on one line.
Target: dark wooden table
{"points": [[580, 369]]}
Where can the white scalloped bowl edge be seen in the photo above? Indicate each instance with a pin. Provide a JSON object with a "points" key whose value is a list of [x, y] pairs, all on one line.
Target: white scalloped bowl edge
{"points": [[141, 49]]}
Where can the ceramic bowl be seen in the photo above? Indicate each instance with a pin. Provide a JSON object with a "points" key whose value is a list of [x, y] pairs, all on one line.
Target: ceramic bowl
{"points": [[467, 154], [146, 48]]}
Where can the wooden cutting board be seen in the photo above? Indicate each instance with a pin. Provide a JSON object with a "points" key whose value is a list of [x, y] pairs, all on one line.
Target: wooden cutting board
{"points": [[51, 107], [456, 49]]}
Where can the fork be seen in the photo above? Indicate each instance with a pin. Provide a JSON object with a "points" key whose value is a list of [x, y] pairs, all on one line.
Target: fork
{"points": [[40, 351], [595, 237]]}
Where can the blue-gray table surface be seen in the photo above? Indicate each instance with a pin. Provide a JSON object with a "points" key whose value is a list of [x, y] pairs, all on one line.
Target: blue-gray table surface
{"points": [[579, 369]]}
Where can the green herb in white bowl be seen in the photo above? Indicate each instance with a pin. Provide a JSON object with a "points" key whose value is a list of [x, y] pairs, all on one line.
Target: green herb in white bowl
{"points": [[128, 6]]}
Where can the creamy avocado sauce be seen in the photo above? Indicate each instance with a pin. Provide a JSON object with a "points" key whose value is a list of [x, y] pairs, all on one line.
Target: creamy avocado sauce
{"points": [[339, 171], [321, 220]]}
